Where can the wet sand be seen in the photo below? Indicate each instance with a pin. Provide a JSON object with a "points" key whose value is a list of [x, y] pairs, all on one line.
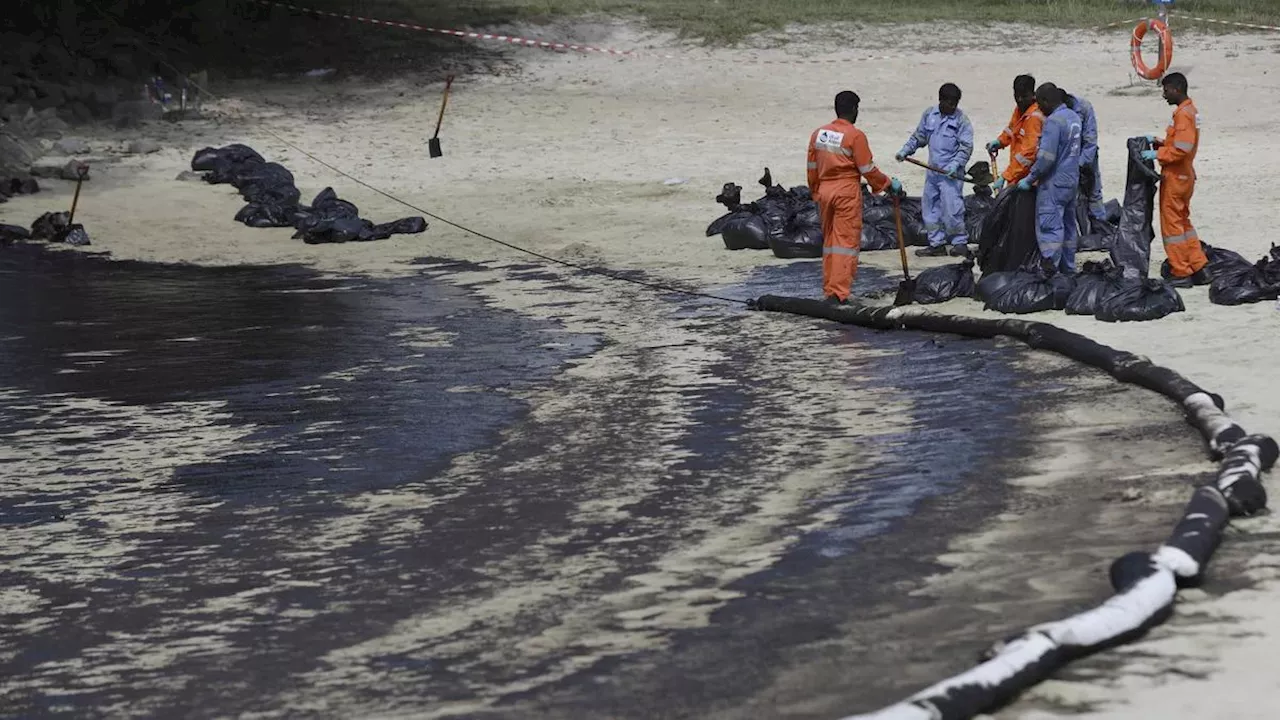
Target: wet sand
{"points": [[603, 134]]}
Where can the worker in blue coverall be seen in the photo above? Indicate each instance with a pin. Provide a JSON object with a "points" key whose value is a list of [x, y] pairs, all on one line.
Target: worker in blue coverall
{"points": [[1056, 175], [1089, 152], [949, 135]]}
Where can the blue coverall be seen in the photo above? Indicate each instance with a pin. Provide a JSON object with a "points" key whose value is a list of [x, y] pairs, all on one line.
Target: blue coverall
{"points": [[1089, 152], [950, 141], [1057, 170]]}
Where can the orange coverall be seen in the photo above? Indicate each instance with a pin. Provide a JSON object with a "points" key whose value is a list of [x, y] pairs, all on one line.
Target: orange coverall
{"points": [[839, 157], [1177, 183], [1023, 134]]}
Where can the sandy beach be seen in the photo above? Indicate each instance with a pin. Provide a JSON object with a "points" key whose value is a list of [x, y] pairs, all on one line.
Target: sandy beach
{"points": [[569, 155]]}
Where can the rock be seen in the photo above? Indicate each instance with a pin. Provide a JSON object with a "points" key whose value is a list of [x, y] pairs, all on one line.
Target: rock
{"points": [[189, 176], [81, 113], [16, 155], [122, 64], [49, 95], [143, 147], [129, 113], [43, 124], [68, 171]]}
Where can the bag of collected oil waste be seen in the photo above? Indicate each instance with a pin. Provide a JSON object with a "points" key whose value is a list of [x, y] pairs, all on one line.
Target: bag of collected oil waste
{"points": [[206, 159], [976, 208], [797, 242], [266, 215], [1131, 246], [1093, 234], [944, 283], [879, 230], [1220, 260], [741, 230], [49, 225], [1139, 299], [13, 233], [1237, 283], [1007, 237], [1095, 281], [1021, 292]]}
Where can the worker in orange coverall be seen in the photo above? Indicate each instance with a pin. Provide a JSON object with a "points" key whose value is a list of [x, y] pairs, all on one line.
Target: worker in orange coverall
{"points": [[1177, 155], [1022, 137], [839, 158]]}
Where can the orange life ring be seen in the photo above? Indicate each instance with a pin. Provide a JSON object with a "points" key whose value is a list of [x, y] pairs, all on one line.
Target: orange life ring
{"points": [[1166, 48]]}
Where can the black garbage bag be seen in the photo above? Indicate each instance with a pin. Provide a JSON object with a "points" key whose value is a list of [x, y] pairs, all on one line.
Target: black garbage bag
{"points": [[227, 171], [976, 208], [12, 233], [1220, 260], [1131, 246], [941, 284], [879, 231], [266, 183], [797, 242], [208, 158], [73, 234], [730, 196], [741, 230], [403, 226], [1021, 292], [1007, 238], [267, 215], [804, 210], [326, 206], [1236, 282], [335, 230], [48, 226], [1096, 281], [1138, 300]]}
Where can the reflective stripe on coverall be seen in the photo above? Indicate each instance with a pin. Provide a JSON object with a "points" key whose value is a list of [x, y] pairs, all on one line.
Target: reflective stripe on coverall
{"points": [[950, 141], [1089, 153], [1057, 170], [839, 157], [1177, 183], [1022, 137]]}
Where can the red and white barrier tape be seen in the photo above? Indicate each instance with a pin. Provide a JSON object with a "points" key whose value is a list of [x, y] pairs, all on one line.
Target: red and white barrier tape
{"points": [[527, 42], [544, 44], [1252, 26]]}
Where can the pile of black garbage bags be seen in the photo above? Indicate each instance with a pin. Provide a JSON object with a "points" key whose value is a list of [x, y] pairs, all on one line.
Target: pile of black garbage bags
{"points": [[54, 227], [274, 200]]}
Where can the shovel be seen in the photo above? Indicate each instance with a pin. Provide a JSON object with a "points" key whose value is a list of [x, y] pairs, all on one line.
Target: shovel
{"points": [[433, 145], [74, 234], [940, 171], [906, 288]]}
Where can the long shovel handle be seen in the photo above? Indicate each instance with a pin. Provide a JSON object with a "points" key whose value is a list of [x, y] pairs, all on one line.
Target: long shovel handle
{"points": [[940, 171], [902, 247], [81, 171], [448, 81]]}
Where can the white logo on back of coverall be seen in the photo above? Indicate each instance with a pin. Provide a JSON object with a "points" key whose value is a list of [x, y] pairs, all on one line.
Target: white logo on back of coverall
{"points": [[830, 140]]}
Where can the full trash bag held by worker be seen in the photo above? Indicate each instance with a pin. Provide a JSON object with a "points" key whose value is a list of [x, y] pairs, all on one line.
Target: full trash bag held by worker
{"points": [[1176, 154], [839, 158], [1022, 135], [1022, 292], [1131, 248], [947, 132], [941, 284], [1007, 240], [1055, 176]]}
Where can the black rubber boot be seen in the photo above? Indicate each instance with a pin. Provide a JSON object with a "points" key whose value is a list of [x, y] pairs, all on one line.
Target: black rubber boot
{"points": [[959, 251], [932, 251], [1200, 277]]}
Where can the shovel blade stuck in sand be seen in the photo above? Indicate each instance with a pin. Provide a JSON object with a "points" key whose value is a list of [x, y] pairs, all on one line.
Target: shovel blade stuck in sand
{"points": [[433, 145], [906, 288]]}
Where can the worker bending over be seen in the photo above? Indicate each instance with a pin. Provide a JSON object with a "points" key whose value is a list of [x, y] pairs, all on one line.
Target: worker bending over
{"points": [[1089, 165], [1023, 134], [1056, 173], [839, 158], [1177, 155], [949, 135]]}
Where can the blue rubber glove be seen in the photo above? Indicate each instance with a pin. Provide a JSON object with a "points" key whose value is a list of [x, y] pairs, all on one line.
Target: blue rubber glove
{"points": [[993, 147], [895, 187], [1149, 155], [1150, 138], [955, 172], [1024, 184], [998, 185], [901, 156]]}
